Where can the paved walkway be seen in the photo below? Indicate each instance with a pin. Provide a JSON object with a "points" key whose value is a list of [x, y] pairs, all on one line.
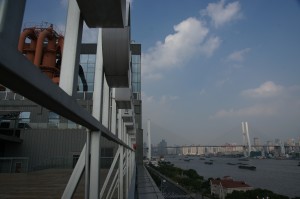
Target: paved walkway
{"points": [[146, 187], [44, 184]]}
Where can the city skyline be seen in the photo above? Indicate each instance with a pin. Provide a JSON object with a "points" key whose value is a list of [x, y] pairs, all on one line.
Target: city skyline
{"points": [[209, 65], [274, 141]]}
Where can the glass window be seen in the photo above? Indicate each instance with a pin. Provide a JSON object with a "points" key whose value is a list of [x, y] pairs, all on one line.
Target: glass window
{"points": [[24, 120], [134, 68], [90, 77], [134, 77], [24, 117], [53, 120], [71, 125], [137, 109], [135, 59], [84, 58], [88, 64], [84, 66], [91, 68], [91, 58]]}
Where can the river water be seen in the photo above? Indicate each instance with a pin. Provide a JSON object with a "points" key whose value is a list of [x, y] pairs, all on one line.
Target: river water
{"points": [[279, 176]]}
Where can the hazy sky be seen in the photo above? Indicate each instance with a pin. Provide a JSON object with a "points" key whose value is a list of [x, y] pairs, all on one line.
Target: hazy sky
{"points": [[209, 65]]}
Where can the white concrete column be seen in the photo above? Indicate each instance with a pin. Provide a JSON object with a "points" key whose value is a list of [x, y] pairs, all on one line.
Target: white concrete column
{"points": [[121, 162], [127, 166], [11, 19], [94, 191], [105, 107], [71, 52], [113, 112]]}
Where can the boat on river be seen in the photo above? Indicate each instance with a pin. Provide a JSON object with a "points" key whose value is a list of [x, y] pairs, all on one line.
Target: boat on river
{"points": [[210, 163], [244, 159], [247, 167], [229, 163]]}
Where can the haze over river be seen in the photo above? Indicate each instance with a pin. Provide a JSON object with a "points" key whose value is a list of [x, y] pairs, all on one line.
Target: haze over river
{"points": [[279, 176]]}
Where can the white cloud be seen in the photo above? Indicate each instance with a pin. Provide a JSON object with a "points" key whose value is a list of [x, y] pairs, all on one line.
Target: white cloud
{"points": [[284, 103], [238, 56], [164, 99], [147, 98], [189, 38], [255, 110], [64, 3], [176, 48], [222, 82], [210, 46], [267, 89], [153, 76], [221, 13], [167, 98]]}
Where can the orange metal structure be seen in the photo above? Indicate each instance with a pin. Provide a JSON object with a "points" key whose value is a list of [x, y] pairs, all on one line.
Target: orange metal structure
{"points": [[44, 49]]}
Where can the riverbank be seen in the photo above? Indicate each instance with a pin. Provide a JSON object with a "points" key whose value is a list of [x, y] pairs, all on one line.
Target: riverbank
{"points": [[279, 176]]}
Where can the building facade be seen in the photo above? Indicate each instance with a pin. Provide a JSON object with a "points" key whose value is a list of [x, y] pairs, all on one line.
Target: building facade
{"points": [[33, 137]]}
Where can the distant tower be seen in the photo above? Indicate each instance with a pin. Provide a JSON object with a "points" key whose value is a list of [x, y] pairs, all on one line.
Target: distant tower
{"points": [[149, 140], [246, 137], [256, 141]]}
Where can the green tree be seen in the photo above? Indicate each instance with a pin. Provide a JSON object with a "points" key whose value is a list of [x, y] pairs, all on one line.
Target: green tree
{"points": [[256, 193]]}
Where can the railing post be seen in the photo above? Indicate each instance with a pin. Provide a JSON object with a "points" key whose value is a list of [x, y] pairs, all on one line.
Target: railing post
{"points": [[94, 189], [87, 164], [113, 112], [121, 162], [127, 165]]}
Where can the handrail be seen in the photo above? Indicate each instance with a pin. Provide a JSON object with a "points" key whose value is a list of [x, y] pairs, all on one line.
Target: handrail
{"points": [[43, 91]]}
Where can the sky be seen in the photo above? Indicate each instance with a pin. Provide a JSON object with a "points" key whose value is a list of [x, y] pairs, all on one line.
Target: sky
{"points": [[207, 66]]}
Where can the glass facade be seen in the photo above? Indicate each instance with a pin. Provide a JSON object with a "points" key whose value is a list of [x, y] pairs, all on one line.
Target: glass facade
{"points": [[87, 61], [136, 75]]}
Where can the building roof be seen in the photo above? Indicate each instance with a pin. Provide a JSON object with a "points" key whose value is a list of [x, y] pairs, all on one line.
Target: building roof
{"points": [[230, 183]]}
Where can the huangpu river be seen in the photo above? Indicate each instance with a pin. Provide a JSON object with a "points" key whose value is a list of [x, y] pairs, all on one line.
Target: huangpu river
{"points": [[279, 176]]}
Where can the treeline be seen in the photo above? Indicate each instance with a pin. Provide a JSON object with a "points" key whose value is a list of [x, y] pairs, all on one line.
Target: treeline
{"points": [[189, 179], [257, 193]]}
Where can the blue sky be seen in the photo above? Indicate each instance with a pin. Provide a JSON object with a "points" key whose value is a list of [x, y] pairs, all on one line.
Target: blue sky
{"points": [[209, 65]]}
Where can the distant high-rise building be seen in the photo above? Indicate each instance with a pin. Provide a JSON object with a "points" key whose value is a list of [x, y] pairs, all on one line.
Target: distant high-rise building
{"points": [[256, 141], [291, 142], [193, 150], [277, 142], [162, 148]]}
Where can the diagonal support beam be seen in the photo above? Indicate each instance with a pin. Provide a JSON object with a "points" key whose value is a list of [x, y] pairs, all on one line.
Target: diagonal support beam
{"points": [[75, 176], [110, 172]]}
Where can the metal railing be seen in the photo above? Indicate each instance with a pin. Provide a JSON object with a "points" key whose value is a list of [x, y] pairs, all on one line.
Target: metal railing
{"points": [[17, 73]]}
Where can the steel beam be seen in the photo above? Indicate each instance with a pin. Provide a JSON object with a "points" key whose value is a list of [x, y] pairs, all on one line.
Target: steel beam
{"points": [[110, 172], [97, 113], [75, 176], [20, 75]]}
